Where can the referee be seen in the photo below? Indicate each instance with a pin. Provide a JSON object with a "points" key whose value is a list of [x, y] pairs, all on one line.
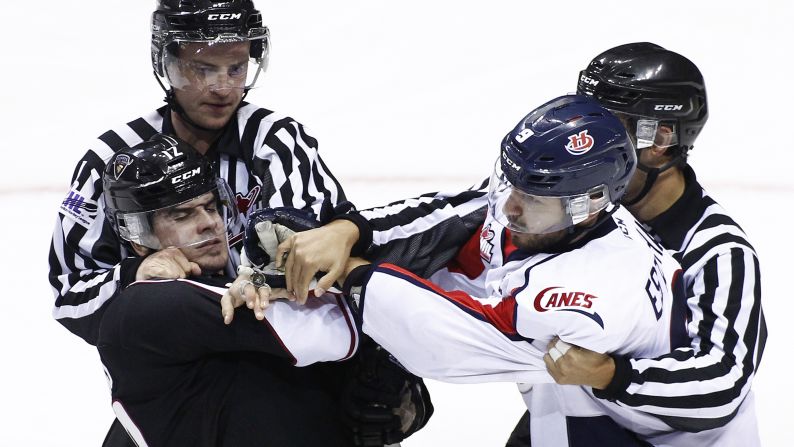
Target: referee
{"points": [[661, 97], [206, 55]]}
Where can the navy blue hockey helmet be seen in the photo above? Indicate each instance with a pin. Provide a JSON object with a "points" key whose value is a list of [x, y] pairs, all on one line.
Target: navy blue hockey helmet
{"points": [[563, 162], [155, 179]]}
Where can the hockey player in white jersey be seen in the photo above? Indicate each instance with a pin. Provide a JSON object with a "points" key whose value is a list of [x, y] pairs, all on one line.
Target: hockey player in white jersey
{"points": [[555, 256]]}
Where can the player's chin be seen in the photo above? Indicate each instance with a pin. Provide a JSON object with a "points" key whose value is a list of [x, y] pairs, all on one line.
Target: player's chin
{"points": [[211, 263], [215, 121], [535, 242], [213, 116]]}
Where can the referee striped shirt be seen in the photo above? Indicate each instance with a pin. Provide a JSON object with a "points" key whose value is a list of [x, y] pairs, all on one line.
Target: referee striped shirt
{"points": [[700, 387], [267, 158]]}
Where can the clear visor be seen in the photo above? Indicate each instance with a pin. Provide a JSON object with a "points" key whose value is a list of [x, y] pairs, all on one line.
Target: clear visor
{"points": [[220, 64], [528, 213], [647, 131], [202, 220]]}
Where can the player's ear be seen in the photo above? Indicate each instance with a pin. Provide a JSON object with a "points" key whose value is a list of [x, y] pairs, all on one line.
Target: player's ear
{"points": [[140, 250], [664, 138], [658, 152]]}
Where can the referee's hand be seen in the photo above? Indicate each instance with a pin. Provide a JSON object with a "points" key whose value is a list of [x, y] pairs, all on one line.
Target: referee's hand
{"points": [[325, 249], [573, 365]]}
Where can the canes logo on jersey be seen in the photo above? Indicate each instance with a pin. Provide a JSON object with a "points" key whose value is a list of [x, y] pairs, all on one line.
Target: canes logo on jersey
{"points": [[579, 143], [486, 244], [556, 298]]}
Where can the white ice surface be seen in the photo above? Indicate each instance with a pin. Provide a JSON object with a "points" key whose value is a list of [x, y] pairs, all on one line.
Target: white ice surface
{"points": [[404, 97]]}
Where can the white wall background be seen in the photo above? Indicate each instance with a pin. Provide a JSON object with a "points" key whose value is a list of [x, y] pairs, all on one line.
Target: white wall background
{"points": [[404, 97]]}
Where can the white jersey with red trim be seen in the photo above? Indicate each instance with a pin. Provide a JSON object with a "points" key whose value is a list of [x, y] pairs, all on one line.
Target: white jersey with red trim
{"points": [[490, 314]]}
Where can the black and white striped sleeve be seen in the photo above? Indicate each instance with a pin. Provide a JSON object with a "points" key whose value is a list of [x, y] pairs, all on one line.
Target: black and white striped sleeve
{"points": [[86, 259], [701, 386], [422, 234], [289, 166]]}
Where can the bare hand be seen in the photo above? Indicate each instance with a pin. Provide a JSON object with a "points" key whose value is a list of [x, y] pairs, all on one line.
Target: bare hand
{"points": [[170, 263], [242, 291], [579, 366], [323, 249]]}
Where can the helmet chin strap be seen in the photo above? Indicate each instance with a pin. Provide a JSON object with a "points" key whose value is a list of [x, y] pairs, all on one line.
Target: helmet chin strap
{"points": [[651, 175], [170, 99]]}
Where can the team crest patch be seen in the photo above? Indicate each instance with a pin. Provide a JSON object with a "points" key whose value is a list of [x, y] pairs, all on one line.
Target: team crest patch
{"points": [[560, 299], [486, 243], [120, 163], [580, 143], [244, 202]]}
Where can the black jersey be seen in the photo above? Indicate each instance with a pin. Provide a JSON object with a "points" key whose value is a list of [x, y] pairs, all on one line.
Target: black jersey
{"points": [[268, 159], [180, 377]]}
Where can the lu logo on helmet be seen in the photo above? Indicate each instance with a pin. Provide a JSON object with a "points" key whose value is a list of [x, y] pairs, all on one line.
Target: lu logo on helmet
{"points": [[579, 143]]}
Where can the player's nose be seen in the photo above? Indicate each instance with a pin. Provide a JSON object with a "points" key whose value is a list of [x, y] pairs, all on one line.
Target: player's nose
{"points": [[208, 220]]}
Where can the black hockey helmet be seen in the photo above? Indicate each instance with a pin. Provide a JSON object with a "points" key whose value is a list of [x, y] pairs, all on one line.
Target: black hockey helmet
{"points": [[174, 21], [155, 175], [645, 80]]}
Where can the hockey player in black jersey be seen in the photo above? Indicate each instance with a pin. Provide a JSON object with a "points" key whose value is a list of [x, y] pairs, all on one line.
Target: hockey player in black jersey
{"points": [[206, 55], [179, 376]]}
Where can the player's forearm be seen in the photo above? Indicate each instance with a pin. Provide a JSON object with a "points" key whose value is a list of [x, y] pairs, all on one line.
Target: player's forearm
{"points": [[416, 215], [716, 372], [430, 333], [691, 393], [82, 297], [421, 234], [174, 311]]}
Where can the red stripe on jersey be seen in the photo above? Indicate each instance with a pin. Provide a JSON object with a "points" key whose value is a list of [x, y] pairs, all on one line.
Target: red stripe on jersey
{"points": [[353, 332], [507, 244], [468, 261], [502, 316]]}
